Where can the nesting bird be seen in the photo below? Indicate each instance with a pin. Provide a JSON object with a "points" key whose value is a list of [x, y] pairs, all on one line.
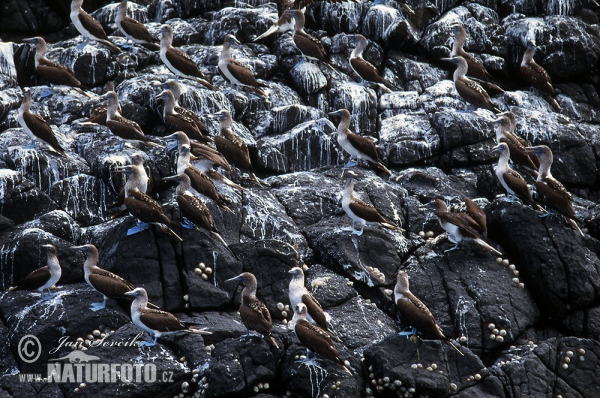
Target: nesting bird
{"points": [[42, 278], [88, 26], [133, 30], [180, 121], [469, 226], [233, 148], [36, 127], [127, 130], [175, 88], [357, 146], [552, 192], [99, 113], [416, 314], [361, 212], [254, 313], [516, 145], [237, 73], [366, 70], [537, 76], [309, 46], [469, 90], [155, 322], [138, 179]]}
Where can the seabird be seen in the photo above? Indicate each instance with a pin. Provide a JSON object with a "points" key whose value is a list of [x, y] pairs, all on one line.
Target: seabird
{"points": [[179, 62], [315, 339], [468, 89], [237, 73], [475, 66], [309, 46], [144, 208], [156, 322], [103, 281], [126, 129], [357, 146], [535, 75], [53, 72], [230, 145], [137, 179], [516, 144], [179, 122], [36, 127], [361, 212], [175, 88], [254, 313], [364, 68], [42, 278], [88, 26], [416, 314], [283, 5], [199, 181], [99, 113], [133, 30], [299, 294], [463, 226], [283, 24], [512, 181], [552, 192], [194, 212]]}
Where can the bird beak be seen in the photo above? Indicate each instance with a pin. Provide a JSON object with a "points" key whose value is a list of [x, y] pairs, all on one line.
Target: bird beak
{"points": [[170, 178], [76, 247], [131, 293], [237, 278], [497, 148], [122, 169], [30, 40], [336, 113], [269, 32], [448, 59]]}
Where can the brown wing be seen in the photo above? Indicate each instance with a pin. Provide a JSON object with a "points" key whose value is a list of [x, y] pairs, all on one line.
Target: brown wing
{"points": [[211, 154], [196, 211], [554, 195], [310, 46], [234, 150], [255, 316], [109, 284], [183, 63], [92, 26], [537, 77], [55, 73], [519, 186], [179, 122], [161, 321], [137, 30], [205, 186], [145, 209], [125, 128], [476, 68], [242, 72], [366, 211], [478, 215], [416, 314], [468, 227], [315, 310], [474, 94], [195, 119], [363, 144], [316, 340], [34, 280], [42, 130], [366, 70], [98, 115], [518, 153], [300, 4]]}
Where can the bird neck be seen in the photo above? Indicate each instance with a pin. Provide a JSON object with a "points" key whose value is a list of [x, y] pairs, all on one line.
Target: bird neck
{"points": [[499, 133], [183, 187], [545, 164], [249, 289], [53, 263], [121, 12], [503, 160], [300, 21], [296, 318], [166, 41], [140, 302], [461, 70], [297, 282], [344, 125], [348, 189], [113, 108], [459, 41], [76, 6], [169, 105], [528, 57], [25, 105], [226, 124], [183, 162], [91, 261], [225, 52], [40, 52], [359, 49], [135, 180]]}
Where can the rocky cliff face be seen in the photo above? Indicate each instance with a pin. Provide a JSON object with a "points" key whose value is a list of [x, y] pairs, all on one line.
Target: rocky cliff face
{"points": [[528, 322]]}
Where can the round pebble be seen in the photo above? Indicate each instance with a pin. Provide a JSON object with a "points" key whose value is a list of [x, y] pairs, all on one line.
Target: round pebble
{"points": [[570, 354], [521, 286], [96, 333], [280, 306], [420, 366], [429, 234], [202, 265], [493, 336], [421, 233], [499, 260], [567, 360], [463, 339], [499, 339], [205, 277], [397, 383], [433, 366], [495, 331], [266, 386], [505, 261], [186, 297], [581, 351], [565, 366], [82, 385], [512, 267], [453, 386], [284, 314], [491, 326], [477, 377], [208, 270], [502, 332], [413, 366]]}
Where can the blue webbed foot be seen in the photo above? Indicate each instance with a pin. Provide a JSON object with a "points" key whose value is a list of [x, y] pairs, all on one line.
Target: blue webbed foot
{"points": [[171, 145], [83, 43], [545, 214], [139, 227], [30, 146], [360, 232], [454, 248], [409, 333], [46, 93], [47, 296], [98, 306], [187, 224], [151, 341], [352, 163]]}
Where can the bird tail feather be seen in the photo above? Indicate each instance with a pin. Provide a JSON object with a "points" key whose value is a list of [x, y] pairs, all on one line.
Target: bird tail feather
{"points": [[486, 246]]}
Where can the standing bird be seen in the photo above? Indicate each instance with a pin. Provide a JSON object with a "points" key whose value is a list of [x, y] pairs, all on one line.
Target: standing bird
{"points": [[138, 179], [512, 181], [416, 314], [103, 281], [516, 144], [365, 69], [180, 122], [88, 27], [156, 322], [552, 192], [133, 30], [475, 67], [468, 89], [463, 226], [127, 130], [237, 73], [283, 24], [357, 146], [99, 113], [254, 313], [52, 72], [299, 294], [193, 211], [233, 148], [36, 127], [537, 76], [359, 211], [179, 62], [175, 88], [42, 278], [315, 339], [309, 46]]}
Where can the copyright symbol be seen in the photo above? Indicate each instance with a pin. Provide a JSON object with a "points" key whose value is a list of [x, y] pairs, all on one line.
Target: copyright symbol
{"points": [[29, 348]]}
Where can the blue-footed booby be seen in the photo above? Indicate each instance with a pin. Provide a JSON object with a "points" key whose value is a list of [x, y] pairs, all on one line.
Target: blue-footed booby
{"points": [[283, 24], [416, 314], [299, 294], [512, 181], [516, 145], [230, 145], [53, 72], [364, 68], [88, 26], [175, 88], [309, 46], [179, 122], [475, 66], [470, 226], [357, 146], [552, 192], [199, 181], [138, 179], [98, 115], [179, 62], [127, 130], [237, 73], [133, 30], [537, 76], [156, 322], [194, 212], [42, 278], [361, 212], [254, 313], [36, 127], [468, 89], [315, 339]]}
